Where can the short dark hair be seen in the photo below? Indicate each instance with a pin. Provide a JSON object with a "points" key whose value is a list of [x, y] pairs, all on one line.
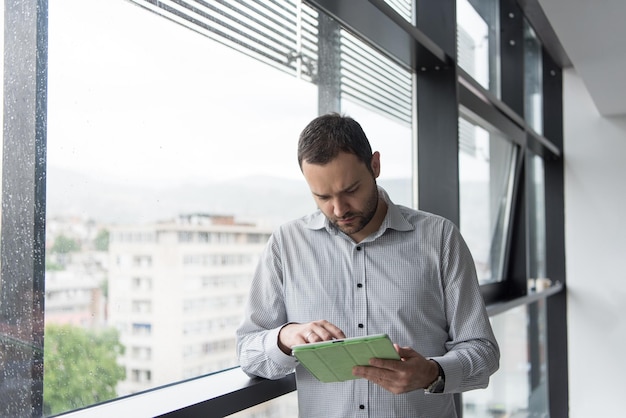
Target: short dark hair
{"points": [[328, 135]]}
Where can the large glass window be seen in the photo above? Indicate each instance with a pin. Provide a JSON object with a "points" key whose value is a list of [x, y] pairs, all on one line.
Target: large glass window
{"points": [[171, 158], [164, 135], [478, 41], [486, 170]]}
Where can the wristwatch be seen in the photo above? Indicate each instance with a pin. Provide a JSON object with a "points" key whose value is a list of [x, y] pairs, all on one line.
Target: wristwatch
{"points": [[439, 383]]}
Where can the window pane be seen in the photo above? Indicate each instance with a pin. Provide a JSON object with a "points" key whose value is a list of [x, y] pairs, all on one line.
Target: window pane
{"points": [[171, 158], [536, 218], [478, 41], [519, 387], [533, 76], [486, 164]]}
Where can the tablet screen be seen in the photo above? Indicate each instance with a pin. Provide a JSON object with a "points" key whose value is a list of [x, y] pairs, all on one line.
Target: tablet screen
{"points": [[332, 361]]}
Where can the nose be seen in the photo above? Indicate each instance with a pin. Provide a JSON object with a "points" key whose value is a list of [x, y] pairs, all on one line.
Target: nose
{"points": [[340, 208]]}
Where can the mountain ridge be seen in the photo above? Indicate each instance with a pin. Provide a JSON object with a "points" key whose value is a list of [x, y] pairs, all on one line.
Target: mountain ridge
{"points": [[260, 199]]}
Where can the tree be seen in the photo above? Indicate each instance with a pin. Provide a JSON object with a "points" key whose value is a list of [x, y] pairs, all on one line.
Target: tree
{"points": [[80, 367], [101, 242], [64, 245]]}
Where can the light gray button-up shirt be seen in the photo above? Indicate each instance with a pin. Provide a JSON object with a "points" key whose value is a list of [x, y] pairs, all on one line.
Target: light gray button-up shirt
{"points": [[414, 279]]}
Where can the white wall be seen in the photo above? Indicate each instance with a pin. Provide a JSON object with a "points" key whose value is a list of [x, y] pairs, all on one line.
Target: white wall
{"points": [[595, 238]]}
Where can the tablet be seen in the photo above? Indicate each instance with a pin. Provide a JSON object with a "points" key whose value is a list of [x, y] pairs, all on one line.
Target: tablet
{"points": [[332, 361]]}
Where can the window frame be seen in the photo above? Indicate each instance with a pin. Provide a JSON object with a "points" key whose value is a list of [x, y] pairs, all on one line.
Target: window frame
{"points": [[22, 240]]}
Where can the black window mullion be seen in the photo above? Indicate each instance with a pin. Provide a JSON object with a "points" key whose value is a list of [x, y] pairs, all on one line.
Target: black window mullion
{"points": [[512, 55], [555, 240], [23, 207], [437, 116]]}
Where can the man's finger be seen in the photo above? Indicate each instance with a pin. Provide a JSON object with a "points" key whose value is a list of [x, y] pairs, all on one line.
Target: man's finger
{"points": [[393, 365]]}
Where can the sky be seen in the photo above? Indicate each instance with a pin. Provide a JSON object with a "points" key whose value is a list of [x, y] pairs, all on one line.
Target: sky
{"points": [[136, 98]]}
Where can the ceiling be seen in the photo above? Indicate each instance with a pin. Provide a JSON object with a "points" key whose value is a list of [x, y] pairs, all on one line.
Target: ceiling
{"points": [[593, 39]]}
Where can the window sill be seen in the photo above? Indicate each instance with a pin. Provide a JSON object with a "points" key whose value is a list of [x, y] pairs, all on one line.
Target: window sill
{"points": [[498, 308], [222, 393]]}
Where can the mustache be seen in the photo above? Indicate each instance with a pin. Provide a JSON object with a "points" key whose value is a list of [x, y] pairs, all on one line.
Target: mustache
{"points": [[347, 216]]}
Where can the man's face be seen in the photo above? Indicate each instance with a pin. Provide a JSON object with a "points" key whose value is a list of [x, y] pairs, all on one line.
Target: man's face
{"points": [[345, 191]]}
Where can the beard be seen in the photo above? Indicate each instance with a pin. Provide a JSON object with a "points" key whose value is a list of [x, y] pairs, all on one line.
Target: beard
{"points": [[359, 219]]}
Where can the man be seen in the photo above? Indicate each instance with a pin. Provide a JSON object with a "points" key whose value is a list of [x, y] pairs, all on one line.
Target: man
{"points": [[361, 265]]}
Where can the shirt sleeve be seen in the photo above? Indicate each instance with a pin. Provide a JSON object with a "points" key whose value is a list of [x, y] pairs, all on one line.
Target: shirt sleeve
{"points": [[257, 336], [472, 353]]}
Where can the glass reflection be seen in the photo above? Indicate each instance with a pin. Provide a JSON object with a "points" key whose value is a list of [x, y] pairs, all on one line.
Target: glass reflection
{"points": [[486, 164]]}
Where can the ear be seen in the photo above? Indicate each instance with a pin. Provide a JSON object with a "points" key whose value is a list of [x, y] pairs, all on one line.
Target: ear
{"points": [[376, 164]]}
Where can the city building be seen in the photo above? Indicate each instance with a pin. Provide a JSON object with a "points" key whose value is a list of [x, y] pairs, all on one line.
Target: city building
{"points": [[76, 273], [76, 297], [176, 290]]}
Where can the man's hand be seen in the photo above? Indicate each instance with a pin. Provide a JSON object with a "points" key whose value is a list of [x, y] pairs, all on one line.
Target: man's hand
{"points": [[311, 332], [412, 372]]}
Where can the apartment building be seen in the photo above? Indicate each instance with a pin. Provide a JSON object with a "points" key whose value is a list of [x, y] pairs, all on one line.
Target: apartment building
{"points": [[76, 273], [76, 297], [176, 291]]}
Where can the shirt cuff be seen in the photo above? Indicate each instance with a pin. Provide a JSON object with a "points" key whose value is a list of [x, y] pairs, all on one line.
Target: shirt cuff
{"points": [[452, 370], [275, 353]]}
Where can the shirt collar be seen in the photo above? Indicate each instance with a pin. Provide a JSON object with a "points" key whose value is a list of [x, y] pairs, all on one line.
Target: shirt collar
{"points": [[394, 219]]}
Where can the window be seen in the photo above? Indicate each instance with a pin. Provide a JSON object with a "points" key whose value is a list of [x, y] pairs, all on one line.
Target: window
{"points": [[143, 284], [486, 171], [179, 117], [141, 329], [141, 376], [178, 131], [185, 236], [478, 41], [142, 353]]}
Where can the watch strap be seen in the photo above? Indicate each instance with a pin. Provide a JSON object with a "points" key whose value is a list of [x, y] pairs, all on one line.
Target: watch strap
{"points": [[439, 383]]}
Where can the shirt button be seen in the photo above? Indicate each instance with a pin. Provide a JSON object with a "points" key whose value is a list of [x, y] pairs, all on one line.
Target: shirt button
{"points": [[359, 285], [358, 248], [360, 325], [361, 406]]}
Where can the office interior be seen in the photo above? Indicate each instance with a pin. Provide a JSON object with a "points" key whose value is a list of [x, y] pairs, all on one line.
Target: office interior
{"points": [[532, 94]]}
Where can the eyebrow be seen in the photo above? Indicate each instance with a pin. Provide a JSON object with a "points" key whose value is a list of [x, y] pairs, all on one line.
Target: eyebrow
{"points": [[345, 190]]}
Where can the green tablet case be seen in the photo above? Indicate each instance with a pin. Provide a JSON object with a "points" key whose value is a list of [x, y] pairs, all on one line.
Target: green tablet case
{"points": [[332, 361]]}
